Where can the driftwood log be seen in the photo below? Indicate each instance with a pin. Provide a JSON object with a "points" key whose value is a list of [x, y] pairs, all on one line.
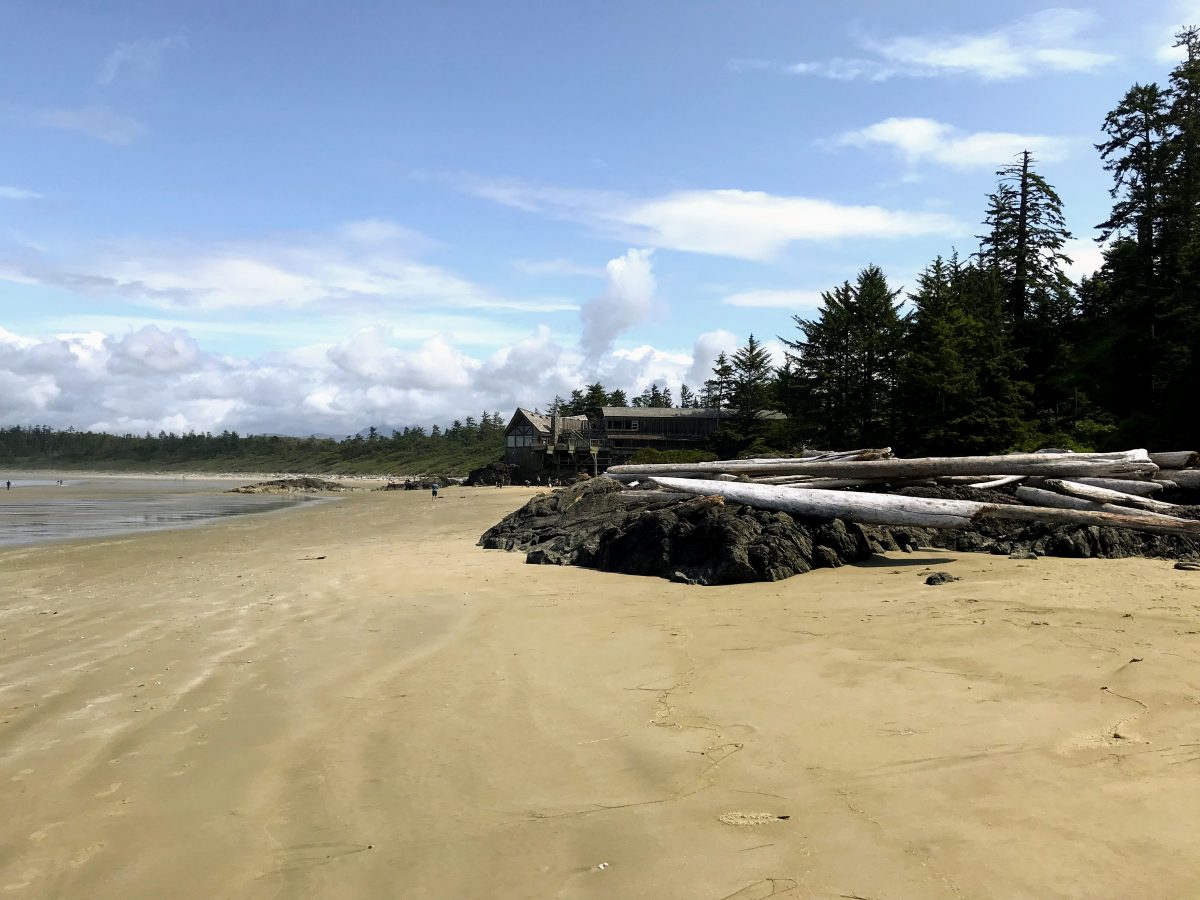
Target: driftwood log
{"points": [[1104, 495], [1038, 497], [1175, 459], [1189, 479], [1133, 463], [1126, 485], [888, 509]]}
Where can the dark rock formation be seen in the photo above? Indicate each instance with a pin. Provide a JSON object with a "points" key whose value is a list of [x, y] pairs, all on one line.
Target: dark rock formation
{"points": [[491, 475], [699, 540], [941, 578], [292, 486], [703, 540]]}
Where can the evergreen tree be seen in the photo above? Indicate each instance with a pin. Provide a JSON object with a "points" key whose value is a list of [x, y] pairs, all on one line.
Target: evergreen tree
{"points": [[1025, 241], [958, 391], [617, 398], [719, 388], [751, 386], [595, 396], [687, 399], [847, 365]]}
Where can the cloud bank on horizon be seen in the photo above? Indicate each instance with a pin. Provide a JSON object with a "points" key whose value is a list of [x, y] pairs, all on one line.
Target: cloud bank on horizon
{"points": [[196, 233]]}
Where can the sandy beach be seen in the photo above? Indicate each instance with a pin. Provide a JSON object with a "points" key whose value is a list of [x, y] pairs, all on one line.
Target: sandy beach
{"points": [[351, 700]]}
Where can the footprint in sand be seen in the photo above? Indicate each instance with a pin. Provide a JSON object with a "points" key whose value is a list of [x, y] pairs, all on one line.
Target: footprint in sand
{"points": [[85, 855], [742, 819], [109, 791], [40, 835]]}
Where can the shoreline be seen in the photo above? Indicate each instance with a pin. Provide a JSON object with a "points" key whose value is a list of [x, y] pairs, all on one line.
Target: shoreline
{"points": [[354, 700]]}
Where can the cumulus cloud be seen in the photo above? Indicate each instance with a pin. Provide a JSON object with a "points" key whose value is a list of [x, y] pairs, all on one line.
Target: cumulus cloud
{"points": [[98, 122], [1052, 40], [628, 299], [707, 347], [152, 379], [368, 264], [919, 140], [726, 222]]}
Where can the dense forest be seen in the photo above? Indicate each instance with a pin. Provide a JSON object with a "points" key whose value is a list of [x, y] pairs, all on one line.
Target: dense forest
{"points": [[989, 352], [456, 449]]}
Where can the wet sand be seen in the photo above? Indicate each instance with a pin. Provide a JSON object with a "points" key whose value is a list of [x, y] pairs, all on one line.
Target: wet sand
{"points": [[220, 712]]}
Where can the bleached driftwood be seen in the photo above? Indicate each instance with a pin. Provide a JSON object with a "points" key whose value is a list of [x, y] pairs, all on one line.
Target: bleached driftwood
{"points": [[1104, 495], [1037, 497], [889, 509], [1002, 481], [832, 455], [1124, 485], [1184, 478], [1062, 465], [1175, 459]]}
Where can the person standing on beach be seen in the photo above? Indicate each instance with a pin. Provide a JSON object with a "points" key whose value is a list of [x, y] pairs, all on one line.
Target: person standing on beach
{"points": [[435, 490], [8, 485]]}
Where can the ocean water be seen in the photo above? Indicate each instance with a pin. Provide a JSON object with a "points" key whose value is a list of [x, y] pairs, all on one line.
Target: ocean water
{"points": [[39, 510]]}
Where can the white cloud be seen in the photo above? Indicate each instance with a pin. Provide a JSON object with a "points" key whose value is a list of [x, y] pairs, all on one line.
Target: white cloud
{"points": [[1086, 257], [95, 121], [142, 58], [729, 222], [1052, 40], [776, 299], [704, 353], [927, 140], [7, 192], [628, 299], [363, 265], [152, 379]]}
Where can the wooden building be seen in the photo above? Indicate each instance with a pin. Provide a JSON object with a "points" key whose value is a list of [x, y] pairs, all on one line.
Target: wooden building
{"points": [[560, 446]]}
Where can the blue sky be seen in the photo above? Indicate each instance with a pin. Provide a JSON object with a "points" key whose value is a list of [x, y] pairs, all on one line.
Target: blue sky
{"points": [[300, 217]]}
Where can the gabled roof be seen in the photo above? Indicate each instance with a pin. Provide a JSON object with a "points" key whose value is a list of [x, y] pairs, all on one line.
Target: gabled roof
{"points": [[540, 423]]}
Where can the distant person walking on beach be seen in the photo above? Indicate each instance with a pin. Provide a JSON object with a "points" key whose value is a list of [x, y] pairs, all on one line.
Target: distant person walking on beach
{"points": [[435, 490], [8, 485]]}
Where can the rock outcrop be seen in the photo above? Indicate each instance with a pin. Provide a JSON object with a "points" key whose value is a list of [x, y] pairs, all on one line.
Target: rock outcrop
{"points": [[292, 486], [703, 540]]}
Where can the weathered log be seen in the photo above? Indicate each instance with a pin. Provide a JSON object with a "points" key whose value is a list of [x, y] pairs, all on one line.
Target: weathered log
{"points": [[1189, 479], [890, 509], [1062, 465], [1043, 498], [868, 453], [1175, 459], [1104, 495], [1124, 485], [1002, 481], [829, 484]]}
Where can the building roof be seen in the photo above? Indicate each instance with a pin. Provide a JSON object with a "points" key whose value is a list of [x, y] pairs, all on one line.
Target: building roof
{"points": [[657, 412], [542, 424], [666, 412]]}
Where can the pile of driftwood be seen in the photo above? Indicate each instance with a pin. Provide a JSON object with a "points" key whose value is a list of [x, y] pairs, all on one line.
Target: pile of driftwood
{"points": [[1106, 489]]}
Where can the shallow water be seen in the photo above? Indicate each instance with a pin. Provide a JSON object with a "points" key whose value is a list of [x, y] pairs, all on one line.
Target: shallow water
{"points": [[38, 510]]}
